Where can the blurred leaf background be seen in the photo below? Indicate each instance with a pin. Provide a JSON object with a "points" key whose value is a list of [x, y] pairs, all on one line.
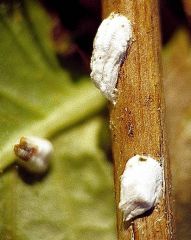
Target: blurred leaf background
{"points": [[45, 90]]}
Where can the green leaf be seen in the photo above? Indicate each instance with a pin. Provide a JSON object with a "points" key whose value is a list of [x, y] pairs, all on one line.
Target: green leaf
{"points": [[37, 96], [73, 201]]}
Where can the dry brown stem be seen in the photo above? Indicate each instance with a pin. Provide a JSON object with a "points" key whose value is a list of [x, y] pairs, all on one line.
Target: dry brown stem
{"points": [[137, 120]]}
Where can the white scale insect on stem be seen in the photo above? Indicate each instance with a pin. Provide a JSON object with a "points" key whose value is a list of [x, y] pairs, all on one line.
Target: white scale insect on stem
{"points": [[141, 186], [111, 42]]}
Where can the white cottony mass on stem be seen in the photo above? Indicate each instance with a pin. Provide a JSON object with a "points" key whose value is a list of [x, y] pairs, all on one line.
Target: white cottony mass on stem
{"points": [[141, 186], [111, 42]]}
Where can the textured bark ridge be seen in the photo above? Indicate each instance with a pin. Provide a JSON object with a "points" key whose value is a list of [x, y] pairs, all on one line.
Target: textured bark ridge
{"points": [[137, 119]]}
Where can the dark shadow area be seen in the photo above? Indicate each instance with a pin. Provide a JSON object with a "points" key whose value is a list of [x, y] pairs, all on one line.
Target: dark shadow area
{"points": [[172, 17], [78, 19], [26, 176], [75, 61], [31, 178]]}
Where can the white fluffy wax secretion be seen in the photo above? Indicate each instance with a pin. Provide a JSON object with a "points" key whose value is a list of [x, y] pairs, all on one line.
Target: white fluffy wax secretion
{"points": [[111, 42], [33, 153], [141, 186]]}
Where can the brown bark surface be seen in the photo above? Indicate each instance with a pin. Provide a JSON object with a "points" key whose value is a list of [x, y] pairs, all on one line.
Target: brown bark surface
{"points": [[137, 120]]}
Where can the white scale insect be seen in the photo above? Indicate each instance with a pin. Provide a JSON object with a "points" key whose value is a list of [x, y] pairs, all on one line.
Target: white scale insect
{"points": [[141, 186], [33, 153], [111, 42]]}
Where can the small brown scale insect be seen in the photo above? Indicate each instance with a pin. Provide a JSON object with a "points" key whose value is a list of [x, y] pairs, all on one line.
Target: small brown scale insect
{"points": [[24, 150]]}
